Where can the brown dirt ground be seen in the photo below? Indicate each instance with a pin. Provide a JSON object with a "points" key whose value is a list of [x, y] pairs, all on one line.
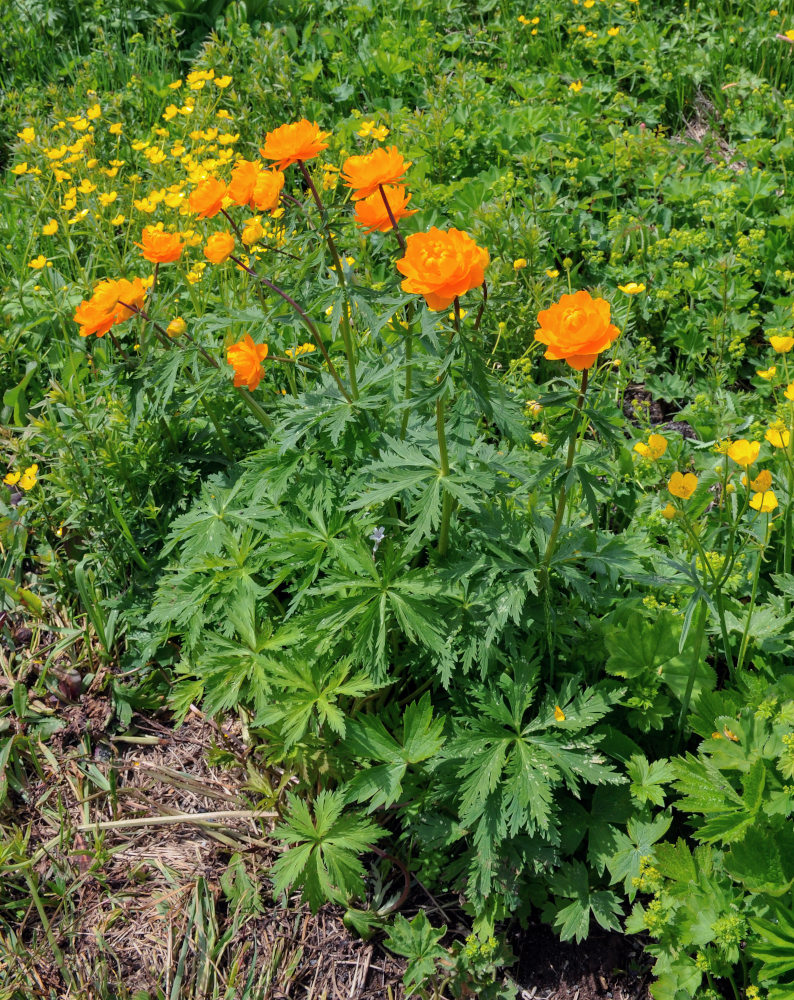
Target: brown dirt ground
{"points": [[143, 903]]}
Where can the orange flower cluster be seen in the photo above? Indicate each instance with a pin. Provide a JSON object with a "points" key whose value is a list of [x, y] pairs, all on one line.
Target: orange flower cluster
{"points": [[287, 144], [108, 306], [371, 212], [160, 247], [246, 358], [576, 329], [442, 266], [365, 174]]}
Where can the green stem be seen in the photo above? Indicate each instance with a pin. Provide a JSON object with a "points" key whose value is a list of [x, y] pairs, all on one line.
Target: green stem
{"points": [[699, 634], [57, 954], [751, 607], [305, 317], [717, 591], [564, 492], [409, 375], [446, 507], [395, 227], [347, 336]]}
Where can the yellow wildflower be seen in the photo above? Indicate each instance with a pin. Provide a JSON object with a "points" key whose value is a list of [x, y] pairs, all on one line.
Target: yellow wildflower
{"points": [[744, 452], [782, 345], [765, 503], [682, 485]]}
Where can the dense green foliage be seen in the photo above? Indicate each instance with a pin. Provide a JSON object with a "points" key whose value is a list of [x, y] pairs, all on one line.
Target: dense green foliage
{"points": [[444, 583]]}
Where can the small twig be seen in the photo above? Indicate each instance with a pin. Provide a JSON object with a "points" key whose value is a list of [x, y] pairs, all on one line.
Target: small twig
{"points": [[197, 818]]}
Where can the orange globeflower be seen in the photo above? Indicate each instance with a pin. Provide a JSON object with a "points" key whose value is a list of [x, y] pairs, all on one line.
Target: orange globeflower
{"points": [[576, 329], [371, 212], [160, 247], [287, 144], [244, 178], [267, 191], [219, 247], [442, 265], [365, 173], [99, 313], [130, 293], [246, 358], [207, 198]]}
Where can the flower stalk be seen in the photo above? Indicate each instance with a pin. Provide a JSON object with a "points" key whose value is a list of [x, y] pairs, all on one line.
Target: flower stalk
{"points": [[347, 336], [555, 528]]}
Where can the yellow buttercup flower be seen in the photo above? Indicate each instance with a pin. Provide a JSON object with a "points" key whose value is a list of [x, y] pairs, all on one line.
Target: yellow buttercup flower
{"points": [[777, 435], [49, 228], [682, 485], [655, 448], [115, 128], [519, 264], [38, 262], [632, 288], [669, 512], [782, 345], [559, 715], [789, 393], [94, 112], [222, 81], [767, 373], [27, 134], [744, 452], [11, 478], [552, 272], [28, 478], [576, 86], [540, 438], [761, 483], [612, 32], [764, 502]]}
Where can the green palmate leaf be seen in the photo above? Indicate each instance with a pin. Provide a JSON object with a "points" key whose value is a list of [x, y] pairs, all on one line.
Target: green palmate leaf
{"points": [[637, 843], [323, 850], [706, 790], [763, 861], [649, 651], [507, 765], [572, 920], [368, 738], [307, 695], [647, 780], [419, 942]]}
